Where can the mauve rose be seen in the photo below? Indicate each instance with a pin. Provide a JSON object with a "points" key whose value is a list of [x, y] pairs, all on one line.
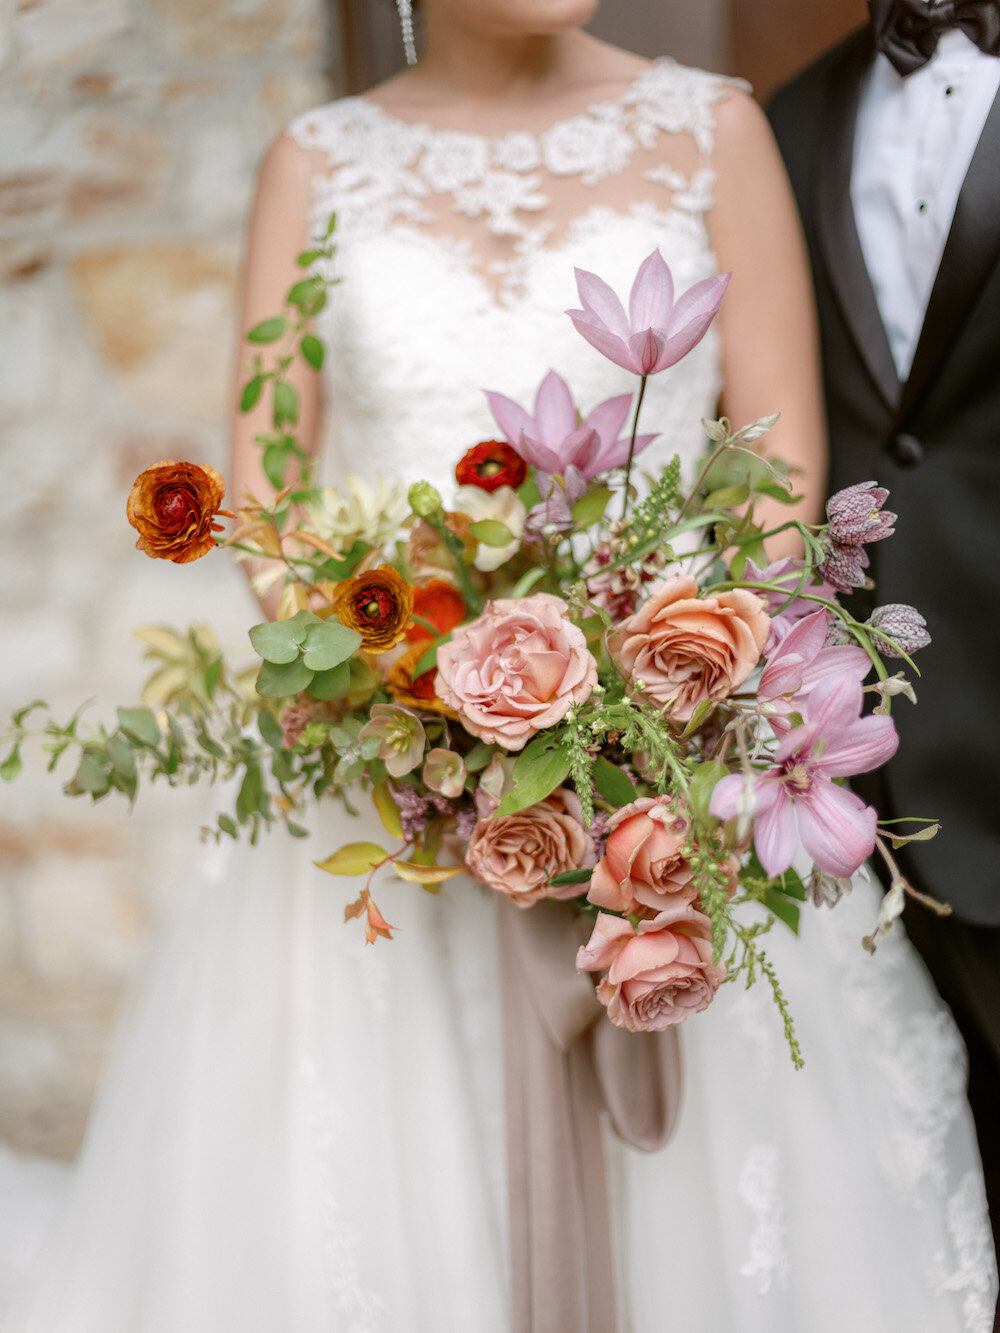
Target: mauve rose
{"points": [[644, 870], [516, 669], [683, 648], [657, 976], [516, 854]]}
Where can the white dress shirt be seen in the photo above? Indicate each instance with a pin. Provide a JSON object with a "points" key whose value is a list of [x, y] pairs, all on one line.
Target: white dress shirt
{"points": [[914, 141]]}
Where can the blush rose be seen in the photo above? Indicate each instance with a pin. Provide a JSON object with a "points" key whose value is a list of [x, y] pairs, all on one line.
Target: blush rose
{"points": [[516, 669], [516, 854], [658, 975], [682, 648], [644, 868]]}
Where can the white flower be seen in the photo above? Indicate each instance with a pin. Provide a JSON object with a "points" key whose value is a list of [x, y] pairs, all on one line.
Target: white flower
{"points": [[357, 513], [502, 505]]}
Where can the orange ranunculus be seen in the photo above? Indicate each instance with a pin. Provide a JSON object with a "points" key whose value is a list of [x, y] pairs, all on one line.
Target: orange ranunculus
{"points": [[440, 604], [172, 505], [378, 605], [415, 691]]}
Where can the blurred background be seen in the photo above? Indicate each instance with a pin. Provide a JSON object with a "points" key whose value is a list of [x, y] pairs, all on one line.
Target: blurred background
{"points": [[129, 133]]}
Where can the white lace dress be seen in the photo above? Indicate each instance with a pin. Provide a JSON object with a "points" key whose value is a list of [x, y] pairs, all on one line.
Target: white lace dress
{"points": [[300, 1133]]}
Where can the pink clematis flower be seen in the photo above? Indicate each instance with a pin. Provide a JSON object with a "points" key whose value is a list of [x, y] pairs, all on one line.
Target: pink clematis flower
{"points": [[784, 614], [801, 660], [798, 797], [555, 439], [658, 331]]}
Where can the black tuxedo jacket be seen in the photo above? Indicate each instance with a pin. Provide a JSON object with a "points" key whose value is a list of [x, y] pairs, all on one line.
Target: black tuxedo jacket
{"points": [[935, 443]]}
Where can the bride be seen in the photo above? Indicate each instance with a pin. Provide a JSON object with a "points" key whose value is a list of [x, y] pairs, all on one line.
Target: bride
{"points": [[301, 1133]]}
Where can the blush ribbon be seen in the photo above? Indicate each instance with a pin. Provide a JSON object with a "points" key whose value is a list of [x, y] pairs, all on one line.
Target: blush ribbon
{"points": [[566, 1066]]}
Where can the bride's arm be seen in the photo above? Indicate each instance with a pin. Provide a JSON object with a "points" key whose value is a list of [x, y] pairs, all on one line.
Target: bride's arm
{"points": [[278, 231], [768, 323]]}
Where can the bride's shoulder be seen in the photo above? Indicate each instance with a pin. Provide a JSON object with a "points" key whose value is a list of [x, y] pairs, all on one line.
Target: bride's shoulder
{"points": [[684, 98], [334, 127]]}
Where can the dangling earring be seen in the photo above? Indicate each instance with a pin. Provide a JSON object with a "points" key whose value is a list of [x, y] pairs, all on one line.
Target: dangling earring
{"points": [[405, 8]]}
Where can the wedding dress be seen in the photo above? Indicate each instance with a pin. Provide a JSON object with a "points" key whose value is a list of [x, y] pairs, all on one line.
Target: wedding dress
{"points": [[302, 1133]]}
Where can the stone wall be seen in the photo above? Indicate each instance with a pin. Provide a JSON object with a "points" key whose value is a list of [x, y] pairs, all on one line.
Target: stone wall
{"points": [[129, 130]]}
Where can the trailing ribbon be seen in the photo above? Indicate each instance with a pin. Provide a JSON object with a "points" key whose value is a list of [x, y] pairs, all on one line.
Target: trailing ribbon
{"points": [[565, 1065]]}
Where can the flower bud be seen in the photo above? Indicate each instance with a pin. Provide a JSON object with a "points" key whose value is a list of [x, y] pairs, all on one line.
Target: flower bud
{"points": [[424, 499], [903, 625]]}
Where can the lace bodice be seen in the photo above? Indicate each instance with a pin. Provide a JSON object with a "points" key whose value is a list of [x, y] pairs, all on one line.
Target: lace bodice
{"points": [[458, 251]]}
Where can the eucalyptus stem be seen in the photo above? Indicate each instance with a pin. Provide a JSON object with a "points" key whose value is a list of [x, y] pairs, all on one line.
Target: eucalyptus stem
{"points": [[631, 444]]}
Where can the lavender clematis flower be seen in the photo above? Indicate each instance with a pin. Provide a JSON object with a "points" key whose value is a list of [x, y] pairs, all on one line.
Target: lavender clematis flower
{"points": [[554, 438], [784, 614], [658, 331], [801, 660], [798, 797]]}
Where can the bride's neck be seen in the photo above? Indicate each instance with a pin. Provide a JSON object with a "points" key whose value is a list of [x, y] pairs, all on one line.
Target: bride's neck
{"points": [[466, 64]]}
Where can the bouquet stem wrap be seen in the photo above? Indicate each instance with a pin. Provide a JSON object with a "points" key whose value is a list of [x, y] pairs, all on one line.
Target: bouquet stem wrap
{"points": [[565, 1066]]}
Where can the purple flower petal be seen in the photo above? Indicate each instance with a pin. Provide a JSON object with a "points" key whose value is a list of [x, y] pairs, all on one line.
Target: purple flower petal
{"points": [[864, 745], [652, 296], [598, 299], [510, 416], [614, 348], [774, 835], [837, 828], [555, 415]]}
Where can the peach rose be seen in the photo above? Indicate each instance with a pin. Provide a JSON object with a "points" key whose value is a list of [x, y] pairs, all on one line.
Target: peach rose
{"points": [[516, 669], [684, 648], [516, 854], [657, 976], [644, 870]]}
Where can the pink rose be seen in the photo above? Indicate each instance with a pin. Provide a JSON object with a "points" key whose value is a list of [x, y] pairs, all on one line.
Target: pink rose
{"points": [[516, 854], [516, 669], [657, 976], [683, 648], [644, 869]]}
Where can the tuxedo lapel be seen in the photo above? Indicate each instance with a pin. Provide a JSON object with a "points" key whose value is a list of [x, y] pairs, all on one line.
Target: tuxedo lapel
{"points": [[970, 254], [841, 246]]}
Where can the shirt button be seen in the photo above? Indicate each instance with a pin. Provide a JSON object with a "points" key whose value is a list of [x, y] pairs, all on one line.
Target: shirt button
{"points": [[949, 91], [922, 206], [906, 450]]}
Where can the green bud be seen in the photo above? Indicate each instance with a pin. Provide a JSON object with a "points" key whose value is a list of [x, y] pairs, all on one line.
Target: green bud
{"points": [[424, 499]]}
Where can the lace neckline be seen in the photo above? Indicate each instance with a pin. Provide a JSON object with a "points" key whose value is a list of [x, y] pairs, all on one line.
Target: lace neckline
{"points": [[601, 109]]}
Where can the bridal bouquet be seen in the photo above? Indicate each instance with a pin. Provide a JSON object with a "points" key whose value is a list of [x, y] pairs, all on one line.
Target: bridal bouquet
{"points": [[566, 685]]}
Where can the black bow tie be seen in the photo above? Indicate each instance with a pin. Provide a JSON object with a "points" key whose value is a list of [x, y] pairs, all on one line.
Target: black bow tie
{"points": [[907, 31]]}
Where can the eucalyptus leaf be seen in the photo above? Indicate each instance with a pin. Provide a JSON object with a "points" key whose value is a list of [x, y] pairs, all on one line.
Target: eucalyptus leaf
{"points": [[328, 644], [279, 641], [334, 683], [279, 681]]}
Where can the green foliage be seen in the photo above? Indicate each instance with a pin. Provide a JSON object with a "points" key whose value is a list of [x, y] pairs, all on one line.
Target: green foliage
{"points": [[541, 767]]}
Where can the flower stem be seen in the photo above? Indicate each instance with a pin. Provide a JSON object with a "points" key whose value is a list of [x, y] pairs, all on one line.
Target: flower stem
{"points": [[631, 443]]}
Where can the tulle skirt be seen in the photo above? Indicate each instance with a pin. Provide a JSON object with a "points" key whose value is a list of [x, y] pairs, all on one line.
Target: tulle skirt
{"points": [[300, 1132]]}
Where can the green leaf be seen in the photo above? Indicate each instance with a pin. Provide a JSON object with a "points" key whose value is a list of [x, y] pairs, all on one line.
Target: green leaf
{"points": [[332, 684], [308, 257], [388, 811], [783, 909], [729, 497], [478, 757], [275, 464], [305, 294], [251, 789], [122, 756], [12, 765], [571, 877], [296, 830], [269, 728], [286, 403], [491, 532], [527, 581], [590, 507], [331, 226], [140, 723], [421, 874], [356, 858], [538, 777], [91, 776], [312, 350], [790, 884], [251, 393], [614, 785], [228, 826], [328, 644], [430, 657], [698, 717], [278, 682], [783, 494], [703, 781], [268, 330], [279, 641]]}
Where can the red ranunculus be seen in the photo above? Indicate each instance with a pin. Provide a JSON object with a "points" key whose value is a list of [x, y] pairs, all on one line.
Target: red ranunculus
{"points": [[491, 465], [440, 604]]}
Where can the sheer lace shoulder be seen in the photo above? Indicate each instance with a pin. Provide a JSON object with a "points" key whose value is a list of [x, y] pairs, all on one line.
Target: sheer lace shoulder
{"points": [[384, 170]]}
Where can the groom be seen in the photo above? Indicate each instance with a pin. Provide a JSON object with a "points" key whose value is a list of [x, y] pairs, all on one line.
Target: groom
{"points": [[892, 143]]}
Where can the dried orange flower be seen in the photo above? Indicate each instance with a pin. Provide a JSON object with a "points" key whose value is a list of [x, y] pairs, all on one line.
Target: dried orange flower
{"points": [[172, 505], [415, 691], [377, 604]]}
